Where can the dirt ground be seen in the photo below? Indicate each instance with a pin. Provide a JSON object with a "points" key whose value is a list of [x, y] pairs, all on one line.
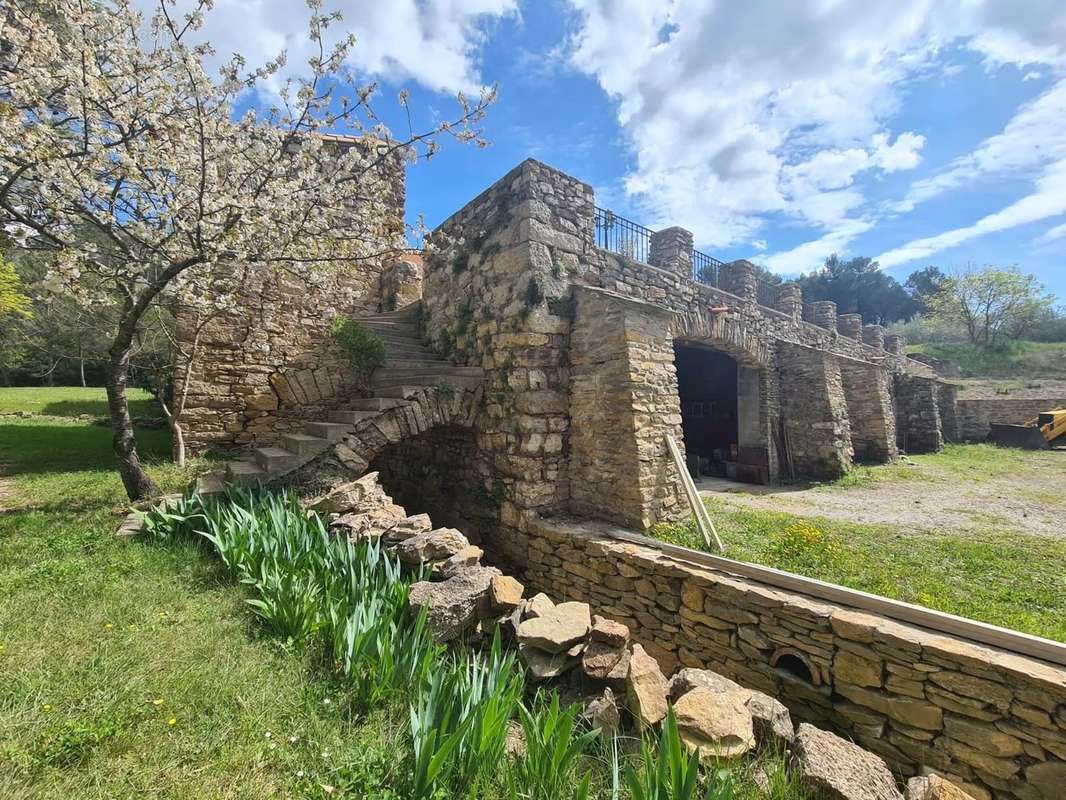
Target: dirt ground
{"points": [[966, 488]]}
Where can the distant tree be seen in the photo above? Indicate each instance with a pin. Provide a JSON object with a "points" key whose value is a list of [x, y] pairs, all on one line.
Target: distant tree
{"points": [[13, 299], [923, 285], [114, 125], [993, 304], [859, 286]]}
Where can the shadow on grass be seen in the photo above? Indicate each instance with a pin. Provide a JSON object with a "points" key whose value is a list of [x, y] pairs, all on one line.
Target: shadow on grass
{"points": [[96, 408], [37, 447]]}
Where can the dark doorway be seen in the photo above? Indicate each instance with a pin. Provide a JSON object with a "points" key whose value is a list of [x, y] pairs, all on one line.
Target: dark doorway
{"points": [[707, 383]]}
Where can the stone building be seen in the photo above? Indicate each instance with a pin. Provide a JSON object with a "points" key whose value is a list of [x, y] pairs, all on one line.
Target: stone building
{"points": [[527, 399]]}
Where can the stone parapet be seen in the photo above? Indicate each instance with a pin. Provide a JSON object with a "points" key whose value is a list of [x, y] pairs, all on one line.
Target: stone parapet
{"points": [[824, 314], [850, 325], [895, 344], [790, 301], [741, 279], [992, 721], [874, 336], [671, 248]]}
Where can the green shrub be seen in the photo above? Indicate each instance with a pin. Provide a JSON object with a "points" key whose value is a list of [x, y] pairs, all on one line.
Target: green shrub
{"points": [[364, 348], [669, 772]]}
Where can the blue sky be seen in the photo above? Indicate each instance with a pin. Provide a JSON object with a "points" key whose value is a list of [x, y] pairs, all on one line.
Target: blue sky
{"points": [[917, 132]]}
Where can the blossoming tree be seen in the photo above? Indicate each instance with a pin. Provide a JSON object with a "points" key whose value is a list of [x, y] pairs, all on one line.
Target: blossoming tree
{"points": [[111, 122]]}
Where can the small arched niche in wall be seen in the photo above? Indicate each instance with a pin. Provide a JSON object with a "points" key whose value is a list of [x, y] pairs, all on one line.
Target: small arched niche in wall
{"points": [[794, 664]]}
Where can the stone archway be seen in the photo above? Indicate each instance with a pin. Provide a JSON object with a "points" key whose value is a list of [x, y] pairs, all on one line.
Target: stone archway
{"points": [[416, 414], [726, 333]]}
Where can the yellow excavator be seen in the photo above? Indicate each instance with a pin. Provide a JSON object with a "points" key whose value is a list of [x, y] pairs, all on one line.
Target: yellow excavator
{"points": [[1037, 434]]}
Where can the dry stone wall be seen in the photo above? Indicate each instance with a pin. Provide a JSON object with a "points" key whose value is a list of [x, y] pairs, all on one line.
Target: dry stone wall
{"points": [[975, 416], [991, 721]]}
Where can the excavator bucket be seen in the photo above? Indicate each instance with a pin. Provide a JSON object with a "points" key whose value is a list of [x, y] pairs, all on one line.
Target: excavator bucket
{"points": [[1027, 437]]}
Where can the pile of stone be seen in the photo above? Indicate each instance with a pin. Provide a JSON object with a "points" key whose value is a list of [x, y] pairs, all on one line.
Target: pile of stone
{"points": [[717, 718]]}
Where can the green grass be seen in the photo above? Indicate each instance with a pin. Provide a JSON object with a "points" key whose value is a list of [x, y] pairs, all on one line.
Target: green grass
{"points": [[71, 401], [975, 576], [973, 463], [132, 669], [1014, 360]]}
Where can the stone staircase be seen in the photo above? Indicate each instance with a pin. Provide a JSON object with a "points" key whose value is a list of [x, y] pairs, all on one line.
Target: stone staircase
{"points": [[410, 368]]}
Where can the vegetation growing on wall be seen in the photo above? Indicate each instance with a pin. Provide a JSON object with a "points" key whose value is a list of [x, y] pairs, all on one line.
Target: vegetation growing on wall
{"points": [[364, 348]]}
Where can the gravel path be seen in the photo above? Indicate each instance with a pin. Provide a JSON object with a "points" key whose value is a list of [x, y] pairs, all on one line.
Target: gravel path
{"points": [[1031, 499]]}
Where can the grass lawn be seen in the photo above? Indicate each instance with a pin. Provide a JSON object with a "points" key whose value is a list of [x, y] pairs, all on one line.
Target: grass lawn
{"points": [[989, 572], [71, 401], [128, 669], [132, 669]]}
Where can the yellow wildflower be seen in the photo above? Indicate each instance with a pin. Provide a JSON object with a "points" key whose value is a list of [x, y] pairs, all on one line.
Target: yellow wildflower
{"points": [[158, 701], [172, 721]]}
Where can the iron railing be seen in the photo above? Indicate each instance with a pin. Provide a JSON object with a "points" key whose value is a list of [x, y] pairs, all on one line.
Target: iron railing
{"points": [[622, 236], [705, 268]]}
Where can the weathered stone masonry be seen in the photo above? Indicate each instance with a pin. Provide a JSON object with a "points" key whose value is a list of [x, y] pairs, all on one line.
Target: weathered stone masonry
{"points": [[991, 721], [269, 365]]}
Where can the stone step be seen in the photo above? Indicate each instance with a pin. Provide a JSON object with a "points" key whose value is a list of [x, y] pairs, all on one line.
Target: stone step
{"points": [[244, 472], [275, 459], [376, 403], [399, 391], [211, 484], [444, 369], [304, 444], [419, 364], [330, 431], [350, 417]]}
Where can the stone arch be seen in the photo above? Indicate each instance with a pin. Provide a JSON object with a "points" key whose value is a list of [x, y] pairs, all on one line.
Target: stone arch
{"points": [[725, 332], [426, 409]]}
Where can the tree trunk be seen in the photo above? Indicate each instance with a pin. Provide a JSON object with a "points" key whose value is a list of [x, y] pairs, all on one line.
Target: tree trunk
{"points": [[179, 442], [134, 478], [81, 363]]}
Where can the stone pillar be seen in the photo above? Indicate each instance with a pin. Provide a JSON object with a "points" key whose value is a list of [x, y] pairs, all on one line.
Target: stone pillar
{"points": [[868, 389], [739, 278], [850, 325], [623, 402], [824, 314], [815, 412], [753, 441], [895, 344], [947, 405], [401, 281], [918, 415], [874, 335], [671, 248], [790, 300]]}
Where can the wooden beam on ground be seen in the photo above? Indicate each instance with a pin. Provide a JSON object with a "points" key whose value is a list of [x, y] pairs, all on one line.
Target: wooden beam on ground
{"points": [[699, 511]]}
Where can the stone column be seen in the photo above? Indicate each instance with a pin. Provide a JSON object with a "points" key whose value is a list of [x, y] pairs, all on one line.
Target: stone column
{"points": [[868, 389], [918, 414], [790, 300], [671, 248], [874, 335], [815, 412], [850, 325], [895, 344], [623, 402], [738, 277], [824, 314], [947, 405]]}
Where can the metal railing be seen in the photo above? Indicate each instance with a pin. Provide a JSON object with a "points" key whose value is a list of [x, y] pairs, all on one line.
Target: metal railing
{"points": [[705, 268], [622, 236]]}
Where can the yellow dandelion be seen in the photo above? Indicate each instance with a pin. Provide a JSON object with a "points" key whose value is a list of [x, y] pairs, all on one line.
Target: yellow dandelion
{"points": [[108, 626], [172, 721], [158, 701], [47, 706]]}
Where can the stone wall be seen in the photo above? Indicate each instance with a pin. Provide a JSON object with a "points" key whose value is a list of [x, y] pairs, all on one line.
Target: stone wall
{"points": [[990, 720], [623, 393], [918, 414], [815, 411], [975, 416], [871, 413], [268, 366]]}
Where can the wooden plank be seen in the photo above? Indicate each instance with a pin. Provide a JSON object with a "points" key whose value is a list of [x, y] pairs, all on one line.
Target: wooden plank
{"points": [[699, 511], [937, 621]]}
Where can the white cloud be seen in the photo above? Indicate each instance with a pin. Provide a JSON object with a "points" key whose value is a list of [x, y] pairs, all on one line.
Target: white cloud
{"points": [[432, 42], [760, 108], [1048, 200], [1051, 235], [811, 254], [1034, 138], [760, 244]]}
